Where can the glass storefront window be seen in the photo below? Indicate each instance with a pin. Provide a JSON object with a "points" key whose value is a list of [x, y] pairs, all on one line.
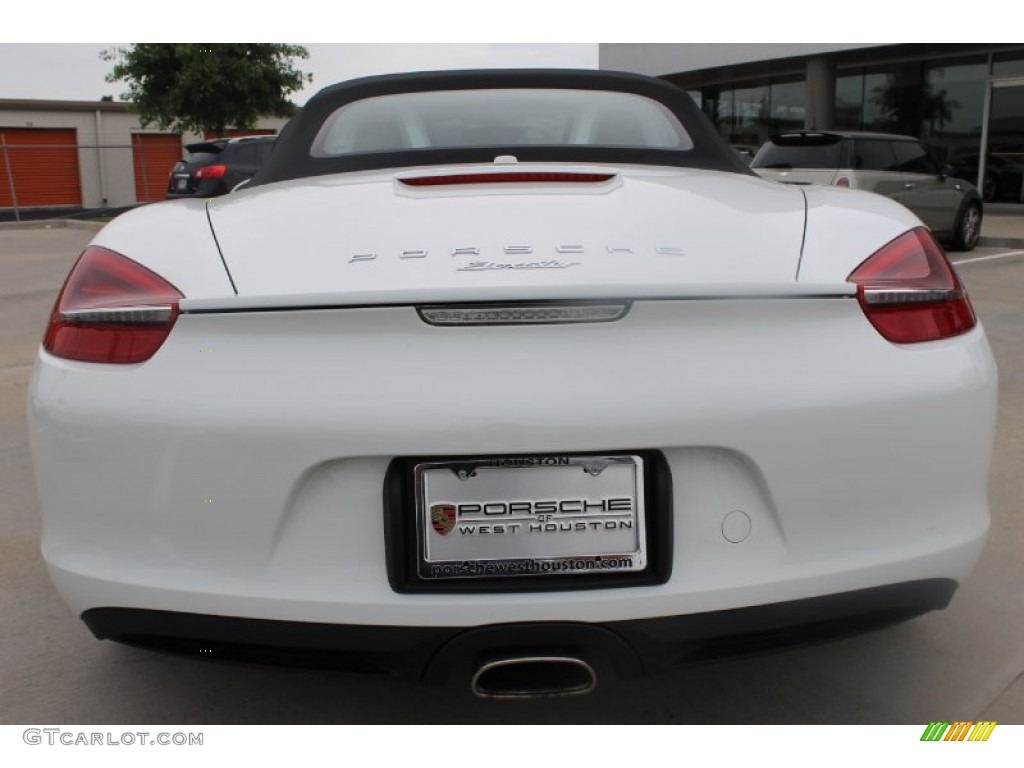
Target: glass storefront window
{"points": [[787, 106], [1004, 163], [941, 101], [751, 120], [747, 115], [1009, 64], [953, 103], [718, 106], [886, 103], [849, 102], [876, 100]]}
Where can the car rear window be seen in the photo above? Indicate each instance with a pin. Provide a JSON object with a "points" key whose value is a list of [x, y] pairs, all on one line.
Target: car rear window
{"points": [[505, 117], [475, 116], [200, 157], [873, 155], [253, 153], [913, 158], [784, 157]]}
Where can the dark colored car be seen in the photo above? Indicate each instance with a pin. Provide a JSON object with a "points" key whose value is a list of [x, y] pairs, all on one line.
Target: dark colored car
{"points": [[217, 166], [900, 167], [1004, 176]]}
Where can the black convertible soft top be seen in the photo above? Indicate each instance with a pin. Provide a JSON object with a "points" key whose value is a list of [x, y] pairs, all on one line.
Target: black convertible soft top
{"points": [[292, 158]]}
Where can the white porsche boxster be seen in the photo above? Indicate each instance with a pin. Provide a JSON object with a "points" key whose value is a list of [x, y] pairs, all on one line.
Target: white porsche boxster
{"points": [[517, 375]]}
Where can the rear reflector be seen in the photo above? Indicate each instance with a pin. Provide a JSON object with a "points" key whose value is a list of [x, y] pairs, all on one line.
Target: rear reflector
{"points": [[523, 314], [111, 310], [910, 292], [506, 178]]}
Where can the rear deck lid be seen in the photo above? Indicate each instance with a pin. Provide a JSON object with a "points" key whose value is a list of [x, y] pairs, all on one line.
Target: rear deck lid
{"points": [[465, 233]]}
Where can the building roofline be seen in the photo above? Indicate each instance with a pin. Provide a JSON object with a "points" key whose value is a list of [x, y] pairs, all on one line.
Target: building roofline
{"points": [[56, 105], [789, 59]]}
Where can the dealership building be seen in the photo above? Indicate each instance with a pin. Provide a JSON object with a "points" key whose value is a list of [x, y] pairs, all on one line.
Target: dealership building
{"points": [[965, 101], [86, 154]]}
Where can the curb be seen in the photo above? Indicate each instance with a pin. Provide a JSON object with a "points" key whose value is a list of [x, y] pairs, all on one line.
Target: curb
{"points": [[1001, 242], [94, 226]]}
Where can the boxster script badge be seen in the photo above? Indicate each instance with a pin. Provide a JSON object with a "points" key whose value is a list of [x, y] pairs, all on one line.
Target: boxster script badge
{"points": [[483, 266]]}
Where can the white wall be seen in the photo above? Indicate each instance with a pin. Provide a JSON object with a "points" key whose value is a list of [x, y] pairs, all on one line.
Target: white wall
{"points": [[106, 175]]}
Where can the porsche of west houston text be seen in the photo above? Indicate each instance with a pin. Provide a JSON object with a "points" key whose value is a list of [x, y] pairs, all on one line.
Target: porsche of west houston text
{"points": [[517, 375]]}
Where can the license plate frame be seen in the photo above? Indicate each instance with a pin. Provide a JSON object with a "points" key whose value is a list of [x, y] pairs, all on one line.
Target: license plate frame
{"points": [[414, 565]]}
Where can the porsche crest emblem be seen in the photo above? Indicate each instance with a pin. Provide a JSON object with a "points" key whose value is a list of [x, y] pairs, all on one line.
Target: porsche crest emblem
{"points": [[442, 517]]}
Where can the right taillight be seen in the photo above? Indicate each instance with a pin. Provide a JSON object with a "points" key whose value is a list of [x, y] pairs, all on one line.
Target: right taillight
{"points": [[111, 310], [910, 293]]}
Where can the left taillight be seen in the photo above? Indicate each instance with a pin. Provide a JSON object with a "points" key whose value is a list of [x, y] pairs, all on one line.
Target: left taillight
{"points": [[111, 310], [910, 292], [211, 172]]}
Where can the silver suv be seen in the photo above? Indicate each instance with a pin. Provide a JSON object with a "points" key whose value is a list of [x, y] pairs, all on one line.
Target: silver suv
{"points": [[895, 166]]}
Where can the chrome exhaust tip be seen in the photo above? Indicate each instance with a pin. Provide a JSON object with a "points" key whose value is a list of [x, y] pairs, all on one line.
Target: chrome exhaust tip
{"points": [[532, 677]]}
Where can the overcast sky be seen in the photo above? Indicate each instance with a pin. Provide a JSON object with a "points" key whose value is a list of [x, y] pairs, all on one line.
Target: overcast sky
{"points": [[75, 70]]}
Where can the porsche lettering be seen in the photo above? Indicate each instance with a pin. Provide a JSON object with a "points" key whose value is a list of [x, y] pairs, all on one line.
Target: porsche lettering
{"points": [[576, 506], [520, 250]]}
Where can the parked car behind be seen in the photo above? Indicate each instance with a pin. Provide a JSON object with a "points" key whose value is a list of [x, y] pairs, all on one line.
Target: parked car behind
{"points": [[899, 167], [217, 166], [1004, 176]]}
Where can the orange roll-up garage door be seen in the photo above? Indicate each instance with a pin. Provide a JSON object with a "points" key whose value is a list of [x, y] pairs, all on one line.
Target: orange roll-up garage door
{"points": [[154, 155], [43, 163]]}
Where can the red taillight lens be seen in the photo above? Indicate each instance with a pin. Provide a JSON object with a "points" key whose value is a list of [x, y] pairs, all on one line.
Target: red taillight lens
{"points": [[910, 293], [111, 310], [211, 172]]}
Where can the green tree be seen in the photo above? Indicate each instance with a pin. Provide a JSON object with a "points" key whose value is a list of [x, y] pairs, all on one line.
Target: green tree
{"points": [[208, 86]]}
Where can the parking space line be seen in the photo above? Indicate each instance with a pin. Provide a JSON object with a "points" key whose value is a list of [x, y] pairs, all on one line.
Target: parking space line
{"points": [[989, 258]]}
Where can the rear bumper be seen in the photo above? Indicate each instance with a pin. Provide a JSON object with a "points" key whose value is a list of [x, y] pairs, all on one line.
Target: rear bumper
{"points": [[433, 654], [241, 471], [205, 188]]}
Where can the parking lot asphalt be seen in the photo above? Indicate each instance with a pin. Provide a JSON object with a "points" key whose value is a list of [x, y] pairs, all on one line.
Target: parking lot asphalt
{"points": [[964, 663]]}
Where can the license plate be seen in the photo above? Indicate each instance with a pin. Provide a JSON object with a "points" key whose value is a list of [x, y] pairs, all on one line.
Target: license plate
{"points": [[530, 516], [181, 184]]}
